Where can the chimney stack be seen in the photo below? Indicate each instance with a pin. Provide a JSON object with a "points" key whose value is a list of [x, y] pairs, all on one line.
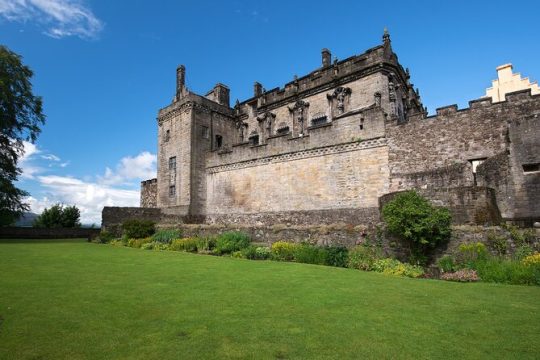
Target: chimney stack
{"points": [[326, 57], [257, 89], [180, 80]]}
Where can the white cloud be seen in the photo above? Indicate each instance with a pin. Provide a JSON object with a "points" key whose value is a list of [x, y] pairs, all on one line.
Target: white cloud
{"points": [[140, 167], [89, 197], [51, 157], [60, 18], [28, 162]]}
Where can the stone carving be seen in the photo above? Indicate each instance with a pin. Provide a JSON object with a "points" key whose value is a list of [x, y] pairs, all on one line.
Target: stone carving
{"points": [[340, 94], [266, 120], [299, 110], [241, 127]]}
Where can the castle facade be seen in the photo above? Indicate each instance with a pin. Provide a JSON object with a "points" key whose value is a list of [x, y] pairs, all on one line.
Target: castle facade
{"points": [[335, 144]]}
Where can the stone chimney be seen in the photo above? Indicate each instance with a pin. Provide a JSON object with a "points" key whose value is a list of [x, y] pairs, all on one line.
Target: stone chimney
{"points": [[326, 57], [257, 89], [221, 94], [180, 81]]}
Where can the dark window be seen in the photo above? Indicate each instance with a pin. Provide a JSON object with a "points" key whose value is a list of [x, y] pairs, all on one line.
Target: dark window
{"points": [[283, 130], [319, 120], [531, 167], [219, 141], [167, 135], [361, 124], [254, 140], [172, 190], [204, 132], [172, 163]]}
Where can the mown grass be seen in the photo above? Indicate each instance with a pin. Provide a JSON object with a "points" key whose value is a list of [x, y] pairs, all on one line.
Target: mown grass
{"points": [[75, 300]]}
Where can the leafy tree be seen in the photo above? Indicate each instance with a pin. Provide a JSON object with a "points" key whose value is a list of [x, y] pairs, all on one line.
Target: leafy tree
{"points": [[20, 118], [59, 216], [412, 218]]}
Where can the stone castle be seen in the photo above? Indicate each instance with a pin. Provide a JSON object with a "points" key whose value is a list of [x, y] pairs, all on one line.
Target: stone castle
{"points": [[332, 146]]}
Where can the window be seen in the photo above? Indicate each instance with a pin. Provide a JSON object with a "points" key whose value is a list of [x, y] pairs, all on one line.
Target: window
{"points": [[167, 135], [283, 130], [475, 164], [172, 163], [361, 124], [172, 190], [319, 120], [204, 132], [254, 140], [219, 141], [531, 167]]}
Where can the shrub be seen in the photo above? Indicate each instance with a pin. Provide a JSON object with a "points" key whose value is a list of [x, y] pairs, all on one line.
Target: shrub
{"points": [[205, 244], [253, 252], [231, 241], [498, 243], [186, 244], [463, 275], [522, 252], [153, 245], [532, 260], [363, 257], [446, 264], [337, 256], [166, 236], [507, 271], [117, 242], [283, 251], [412, 218], [309, 254], [138, 229], [105, 237], [138, 243], [396, 267], [470, 253]]}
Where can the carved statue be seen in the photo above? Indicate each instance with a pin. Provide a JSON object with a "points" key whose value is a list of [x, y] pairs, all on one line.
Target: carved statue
{"points": [[378, 99], [298, 112], [340, 94]]}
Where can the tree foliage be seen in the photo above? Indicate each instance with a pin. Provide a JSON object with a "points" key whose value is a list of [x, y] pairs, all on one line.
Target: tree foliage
{"points": [[20, 119], [59, 216], [412, 218]]}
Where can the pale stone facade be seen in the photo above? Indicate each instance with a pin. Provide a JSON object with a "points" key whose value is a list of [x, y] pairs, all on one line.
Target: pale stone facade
{"points": [[508, 82], [332, 145]]}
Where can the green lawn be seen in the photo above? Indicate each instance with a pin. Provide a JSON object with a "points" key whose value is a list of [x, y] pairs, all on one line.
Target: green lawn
{"points": [[75, 300]]}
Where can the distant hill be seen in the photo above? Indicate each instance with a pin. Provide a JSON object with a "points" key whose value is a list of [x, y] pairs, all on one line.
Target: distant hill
{"points": [[26, 219]]}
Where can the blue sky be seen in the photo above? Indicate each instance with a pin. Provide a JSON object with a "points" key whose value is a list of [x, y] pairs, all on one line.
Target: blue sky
{"points": [[104, 68]]}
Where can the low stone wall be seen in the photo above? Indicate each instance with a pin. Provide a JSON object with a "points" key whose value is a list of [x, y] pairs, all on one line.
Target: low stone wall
{"points": [[40, 233], [362, 216], [468, 205]]}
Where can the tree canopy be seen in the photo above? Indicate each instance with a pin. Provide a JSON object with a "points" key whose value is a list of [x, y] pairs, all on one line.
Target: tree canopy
{"points": [[59, 216], [20, 119]]}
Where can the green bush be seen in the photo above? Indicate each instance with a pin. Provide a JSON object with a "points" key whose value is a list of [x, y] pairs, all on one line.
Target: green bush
{"points": [[138, 229], [507, 271], [165, 236], [337, 256], [283, 251], [309, 254], [522, 252], [395, 267], [412, 218], [498, 243], [469, 253], [186, 244], [205, 244], [253, 252], [231, 241], [105, 237], [362, 257], [446, 264], [138, 243]]}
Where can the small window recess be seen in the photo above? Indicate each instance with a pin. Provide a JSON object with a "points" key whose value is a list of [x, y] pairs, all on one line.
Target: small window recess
{"points": [[172, 163], [219, 141], [172, 190], [254, 140], [283, 130], [319, 119], [361, 124], [167, 135], [205, 133], [529, 168]]}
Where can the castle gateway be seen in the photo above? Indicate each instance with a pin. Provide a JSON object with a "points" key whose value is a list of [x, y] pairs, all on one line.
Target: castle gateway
{"points": [[333, 145]]}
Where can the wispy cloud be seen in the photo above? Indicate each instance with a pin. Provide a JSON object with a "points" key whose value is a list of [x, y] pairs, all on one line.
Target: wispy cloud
{"points": [[34, 161], [60, 18], [140, 167]]}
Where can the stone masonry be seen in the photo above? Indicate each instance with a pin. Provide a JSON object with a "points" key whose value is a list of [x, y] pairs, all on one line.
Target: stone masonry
{"points": [[330, 147]]}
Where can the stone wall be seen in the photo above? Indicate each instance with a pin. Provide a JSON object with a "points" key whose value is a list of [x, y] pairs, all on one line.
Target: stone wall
{"points": [[149, 193], [468, 205]]}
